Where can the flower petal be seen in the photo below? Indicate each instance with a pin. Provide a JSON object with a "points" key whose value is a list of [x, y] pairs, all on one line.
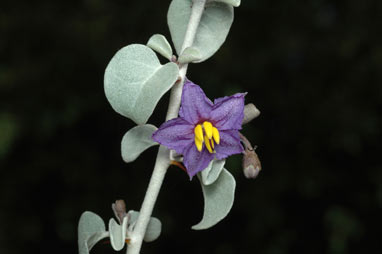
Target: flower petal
{"points": [[196, 161], [195, 106], [229, 144], [228, 112], [176, 134]]}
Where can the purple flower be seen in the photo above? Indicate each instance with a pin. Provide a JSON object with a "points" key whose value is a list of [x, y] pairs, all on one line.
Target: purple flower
{"points": [[204, 130]]}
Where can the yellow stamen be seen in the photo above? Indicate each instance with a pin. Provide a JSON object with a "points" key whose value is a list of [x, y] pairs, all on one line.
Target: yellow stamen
{"points": [[199, 144], [212, 144], [208, 129], [199, 132], [208, 145], [216, 135]]}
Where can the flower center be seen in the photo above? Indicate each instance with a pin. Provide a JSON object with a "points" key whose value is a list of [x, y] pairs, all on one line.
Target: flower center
{"points": [[208, 134]]}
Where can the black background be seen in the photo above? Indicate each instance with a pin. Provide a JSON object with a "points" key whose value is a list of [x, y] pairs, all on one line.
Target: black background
{"points": [[313, 68]]}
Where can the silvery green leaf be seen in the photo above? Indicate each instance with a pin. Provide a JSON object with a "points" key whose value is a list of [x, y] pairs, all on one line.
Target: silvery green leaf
{"points": [[153, 228], [133, 217], [137, 140], [135, 81], [212, 30], [212, 172], [235, 3], [91, 229], [218, 200], [189, 55], [117, 233], [159, 43]]}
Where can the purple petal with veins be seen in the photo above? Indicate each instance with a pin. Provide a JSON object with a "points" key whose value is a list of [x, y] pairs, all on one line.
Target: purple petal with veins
{"points": [[175, 134], [228, 112], [195, 106], [196, 161], [229, 144]]}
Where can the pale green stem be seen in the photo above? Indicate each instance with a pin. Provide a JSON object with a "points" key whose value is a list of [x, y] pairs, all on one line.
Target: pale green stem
{"points": [[162, 161]]}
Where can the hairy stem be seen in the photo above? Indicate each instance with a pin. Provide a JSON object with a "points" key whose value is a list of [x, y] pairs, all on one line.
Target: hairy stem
{"points": [[176, 91], [162, 161]]}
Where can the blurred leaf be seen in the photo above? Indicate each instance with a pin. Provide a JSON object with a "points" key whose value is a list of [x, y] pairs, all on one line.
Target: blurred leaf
{"points": [[137, 140], [189, 55], [117, 233], [212, 172], [160, 44], [91, 229], [135, 81], [218, 200], [235, 3], [213, 29], [8, 133], [342, 228]]}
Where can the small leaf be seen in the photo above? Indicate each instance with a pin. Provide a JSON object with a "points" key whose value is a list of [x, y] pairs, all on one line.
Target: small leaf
{"points": [[137, 140], [218, 200], [117, 233], [135, 81], [133, 217], [159, 43], [189, 55], [212, 172], [91, 229], [235, 3], [153, 230], [212, 31]]}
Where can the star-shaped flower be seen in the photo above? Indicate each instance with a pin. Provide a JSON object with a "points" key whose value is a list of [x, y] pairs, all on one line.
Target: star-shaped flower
{"points": [[204, 130]]}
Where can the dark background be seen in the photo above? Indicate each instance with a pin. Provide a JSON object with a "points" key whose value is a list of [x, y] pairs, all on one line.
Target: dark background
{"points": [[313, 68]]}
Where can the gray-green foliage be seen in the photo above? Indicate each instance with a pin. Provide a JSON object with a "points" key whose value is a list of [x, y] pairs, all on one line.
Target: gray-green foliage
{"points": [[211, 173], [212, 30], [190, 54], [160, 44], [218, 200], [137, 140], [118, 233], [153, 229], [135, 81], [91, 229]]}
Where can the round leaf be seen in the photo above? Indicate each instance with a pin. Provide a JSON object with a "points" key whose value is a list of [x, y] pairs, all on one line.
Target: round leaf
{"points": [[137, 140], [153, 230], [212, 172], [189, 55], [212, 31], [135, 81], [159, 43], [218, 200], [91, 229]]}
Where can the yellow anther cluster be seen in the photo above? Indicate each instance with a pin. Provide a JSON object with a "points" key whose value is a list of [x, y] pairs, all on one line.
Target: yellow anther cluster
{"points": [[208, 134]]}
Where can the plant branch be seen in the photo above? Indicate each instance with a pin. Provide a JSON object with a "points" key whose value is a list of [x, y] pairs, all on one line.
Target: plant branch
{"points": [[176, 91], [162, 161]]}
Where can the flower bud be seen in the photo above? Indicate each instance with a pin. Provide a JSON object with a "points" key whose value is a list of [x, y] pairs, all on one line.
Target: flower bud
{"points": [[119, 209], [250, 113], [251, 164]]}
